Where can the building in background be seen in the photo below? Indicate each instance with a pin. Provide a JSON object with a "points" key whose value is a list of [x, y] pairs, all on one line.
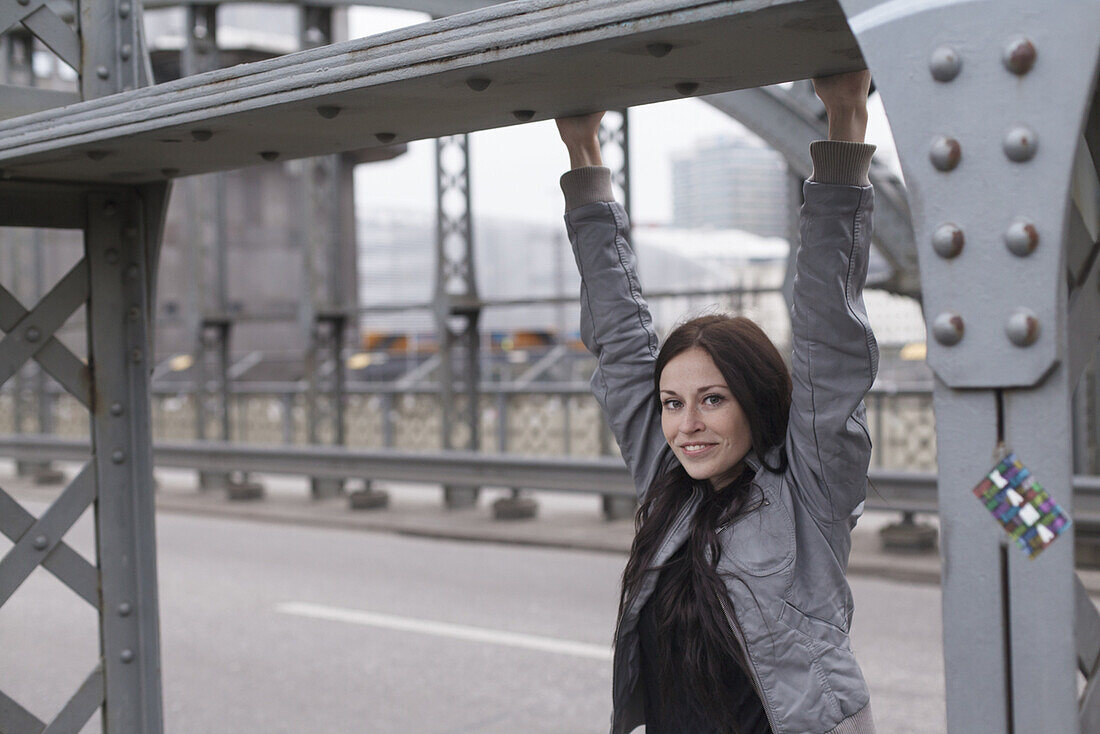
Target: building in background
{"points": [[731, 183]]}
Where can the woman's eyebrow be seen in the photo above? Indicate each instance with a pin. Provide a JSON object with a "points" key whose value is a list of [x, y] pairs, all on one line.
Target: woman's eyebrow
{"points": [[701, 389]]}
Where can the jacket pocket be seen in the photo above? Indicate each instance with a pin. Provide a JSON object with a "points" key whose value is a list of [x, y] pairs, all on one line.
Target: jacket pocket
{"points": [[761, 540], [811, 627]]}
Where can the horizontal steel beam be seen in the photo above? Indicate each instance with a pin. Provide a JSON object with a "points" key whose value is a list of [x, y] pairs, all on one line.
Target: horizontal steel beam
{"points": [[488, 68], [891, 490]]}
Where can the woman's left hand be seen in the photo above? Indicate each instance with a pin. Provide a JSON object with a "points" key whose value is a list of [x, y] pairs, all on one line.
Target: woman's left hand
{"points": [[845, 99]]}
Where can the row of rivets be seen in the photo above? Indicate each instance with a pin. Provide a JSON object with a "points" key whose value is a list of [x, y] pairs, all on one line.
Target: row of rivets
{"points": [[1018, 57], [1021, 238], [1022, 328]]}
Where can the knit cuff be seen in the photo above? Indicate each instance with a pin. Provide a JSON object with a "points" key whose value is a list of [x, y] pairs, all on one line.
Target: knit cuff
{"points": [[841, 162], [586, 185]]}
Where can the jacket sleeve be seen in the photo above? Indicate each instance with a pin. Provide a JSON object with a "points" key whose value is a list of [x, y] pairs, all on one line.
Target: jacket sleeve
{"points": [[616, 327], [835, 357]]}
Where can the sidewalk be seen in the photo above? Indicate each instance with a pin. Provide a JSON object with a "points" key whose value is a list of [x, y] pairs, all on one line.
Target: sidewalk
{"points": [[563, 521]]}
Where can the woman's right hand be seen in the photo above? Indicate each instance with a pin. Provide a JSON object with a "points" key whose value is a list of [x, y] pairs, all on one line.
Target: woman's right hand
{"points": [[581, 135]]}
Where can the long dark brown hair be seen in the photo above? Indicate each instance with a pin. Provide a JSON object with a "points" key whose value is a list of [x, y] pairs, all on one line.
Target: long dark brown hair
{"points": [[697, 648]]}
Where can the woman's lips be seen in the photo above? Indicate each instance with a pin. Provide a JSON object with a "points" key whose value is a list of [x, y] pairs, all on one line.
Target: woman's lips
{"points": [[696, 450]]}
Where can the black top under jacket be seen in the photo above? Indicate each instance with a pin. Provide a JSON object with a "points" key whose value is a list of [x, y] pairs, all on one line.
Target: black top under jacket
{"points": [[682, 714]]}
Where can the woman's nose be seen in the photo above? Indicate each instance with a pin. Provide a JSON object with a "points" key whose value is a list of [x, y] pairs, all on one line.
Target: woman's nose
{"points": [[690, 422]]}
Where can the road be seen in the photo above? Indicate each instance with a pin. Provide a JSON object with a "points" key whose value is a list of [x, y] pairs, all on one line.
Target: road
{"points": [[279, 629]]}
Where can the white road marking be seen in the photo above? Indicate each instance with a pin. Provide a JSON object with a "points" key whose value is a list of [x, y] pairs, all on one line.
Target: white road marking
{"points": [[446, 629]]}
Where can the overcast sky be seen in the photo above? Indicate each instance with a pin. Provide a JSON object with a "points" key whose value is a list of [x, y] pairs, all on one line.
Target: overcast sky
{"points": [[515, 170]]}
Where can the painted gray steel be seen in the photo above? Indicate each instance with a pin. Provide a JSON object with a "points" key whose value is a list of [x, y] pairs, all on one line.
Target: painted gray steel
{"points": [[537, 56]]}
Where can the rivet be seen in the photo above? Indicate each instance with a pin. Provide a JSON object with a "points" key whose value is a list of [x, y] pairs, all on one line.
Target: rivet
{"points": [[170, 172], [126, 656], [315, 36], [32, 334], [136, 355], [117, 456], [686, 88], [1022, 328], [124, 10], [112, 256], [945, 153], [135, 313], [478, 83], [102, 72], [658, 50], [132, 271], [97, 155], [201, 136], [116, 409], [1019, 56], [948, 241], [948, 328], [1021, 238], [125, 51], [384, 137], [269, 155], [24, 2], [523, 115], [944, 64], [1020, 144], [124, 609], [130, 231], [40, 542], [328, 111]]}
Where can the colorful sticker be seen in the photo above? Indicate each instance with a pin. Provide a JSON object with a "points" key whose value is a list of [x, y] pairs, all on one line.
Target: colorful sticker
{"points": [[1021, 505]]}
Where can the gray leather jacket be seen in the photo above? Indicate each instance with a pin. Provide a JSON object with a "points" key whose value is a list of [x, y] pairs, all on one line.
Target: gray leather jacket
{"points": [[784, 559]]}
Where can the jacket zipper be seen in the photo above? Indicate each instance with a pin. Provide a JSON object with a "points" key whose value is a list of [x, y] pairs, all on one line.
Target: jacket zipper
{"points": [[755, 677]]}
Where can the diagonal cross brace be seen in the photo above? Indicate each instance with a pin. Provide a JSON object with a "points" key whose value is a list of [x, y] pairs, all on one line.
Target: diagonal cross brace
{"points": [[87, 699], [14, 719], [71, 568], [54, 356], [1087, 633], [39, 540]]}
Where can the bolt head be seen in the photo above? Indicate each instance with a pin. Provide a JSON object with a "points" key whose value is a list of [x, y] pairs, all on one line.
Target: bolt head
{"points": [[134, 313], [112, 256], [658, 50], [1022, 238], [948, 328], [126, 656], [136, 355], [1022, 327], [116, 409], [1019, 56], [944, 64], [948, 241], [125, 52], [945, 153], [201, 136], [110, 208], [102, 72], [24, 2], [117, 456], [124, 609], [132, 271], [385, 137], [40, 543], [124, 10], [32, 334], [269, 155], [523, 115], [328, 111], [686, 88], [478, 84], [1020, 144]]}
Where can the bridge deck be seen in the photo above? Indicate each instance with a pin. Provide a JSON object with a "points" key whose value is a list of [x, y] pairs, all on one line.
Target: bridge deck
{"points": [[546, 57]]}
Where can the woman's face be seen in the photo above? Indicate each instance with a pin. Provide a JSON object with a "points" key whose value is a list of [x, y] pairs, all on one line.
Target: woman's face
{"points": [[702, 422]]}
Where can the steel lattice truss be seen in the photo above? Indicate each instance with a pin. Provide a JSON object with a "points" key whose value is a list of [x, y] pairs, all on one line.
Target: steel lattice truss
{"points": [[994, 109]]}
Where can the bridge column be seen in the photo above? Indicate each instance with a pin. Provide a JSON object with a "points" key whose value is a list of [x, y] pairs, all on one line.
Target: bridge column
{"points": [[988, 103]]}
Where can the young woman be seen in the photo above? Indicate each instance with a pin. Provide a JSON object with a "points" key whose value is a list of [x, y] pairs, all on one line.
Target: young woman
{"points": [[735, 609]]}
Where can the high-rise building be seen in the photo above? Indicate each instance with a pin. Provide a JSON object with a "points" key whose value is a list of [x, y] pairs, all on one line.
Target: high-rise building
{"points": [[731, 183]]}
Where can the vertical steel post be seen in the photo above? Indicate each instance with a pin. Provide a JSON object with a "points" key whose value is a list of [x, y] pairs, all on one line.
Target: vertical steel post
{"points": [[325, 397], [984, 92], [118, 343], [457, 305]]}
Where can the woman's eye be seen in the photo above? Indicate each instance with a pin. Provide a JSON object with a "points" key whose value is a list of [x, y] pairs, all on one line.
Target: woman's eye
{"points": [[671, 404], [712, 399]]}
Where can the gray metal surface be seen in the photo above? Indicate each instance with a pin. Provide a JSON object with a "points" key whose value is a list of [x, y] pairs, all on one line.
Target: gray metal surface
{"points": [[537, 56], [115, 244], [987, 138]]}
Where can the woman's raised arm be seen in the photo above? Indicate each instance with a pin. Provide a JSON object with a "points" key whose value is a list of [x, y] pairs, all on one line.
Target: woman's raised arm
{"points": [[615, 322], [835, 357]]}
